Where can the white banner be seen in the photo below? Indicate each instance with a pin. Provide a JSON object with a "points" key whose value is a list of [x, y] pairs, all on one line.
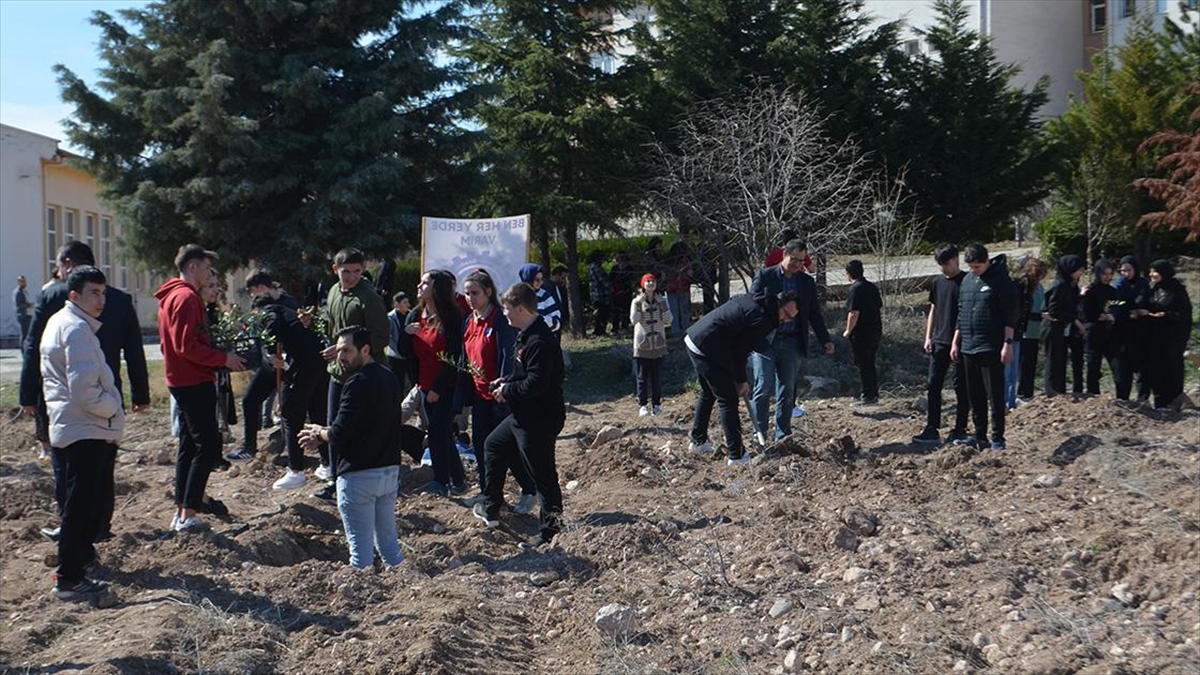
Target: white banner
{"points": [[499, 246]]}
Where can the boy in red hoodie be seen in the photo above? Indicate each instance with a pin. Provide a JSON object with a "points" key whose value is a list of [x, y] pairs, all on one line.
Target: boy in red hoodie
{"points": [[190, 362]]}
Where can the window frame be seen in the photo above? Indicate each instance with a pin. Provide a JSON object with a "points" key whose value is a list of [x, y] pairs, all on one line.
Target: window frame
{"points": [[1102, 7]]}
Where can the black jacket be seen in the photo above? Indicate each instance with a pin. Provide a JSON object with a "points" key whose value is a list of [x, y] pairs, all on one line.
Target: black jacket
{"points": [[727, 335], [769, 281], [1172, 330], [366, 429], [1095, 303], [534, 390], [301, 345], [986, 306]]}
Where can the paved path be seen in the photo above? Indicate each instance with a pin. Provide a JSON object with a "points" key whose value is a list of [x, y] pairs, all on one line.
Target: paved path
{"points": [[10, 363]]}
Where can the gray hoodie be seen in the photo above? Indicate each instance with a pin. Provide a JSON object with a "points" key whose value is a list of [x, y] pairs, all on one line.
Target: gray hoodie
{"points": [[81, 395]]}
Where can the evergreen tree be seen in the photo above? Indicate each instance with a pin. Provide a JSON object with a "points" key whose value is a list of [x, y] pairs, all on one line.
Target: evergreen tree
{"points": [[557, 136], [271, 130], [969, 139]]}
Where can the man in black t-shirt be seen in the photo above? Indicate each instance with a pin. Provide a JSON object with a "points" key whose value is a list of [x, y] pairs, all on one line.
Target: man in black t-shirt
{"points": [[939, 335], [864, 330]]}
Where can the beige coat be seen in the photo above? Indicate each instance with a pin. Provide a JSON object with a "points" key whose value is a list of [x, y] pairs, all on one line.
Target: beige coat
{"points": [[650, 321]]}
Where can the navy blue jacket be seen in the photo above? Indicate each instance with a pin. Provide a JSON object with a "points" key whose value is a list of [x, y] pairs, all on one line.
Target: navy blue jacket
{"points": [[769, 281], [986, 306], [727, 335]]}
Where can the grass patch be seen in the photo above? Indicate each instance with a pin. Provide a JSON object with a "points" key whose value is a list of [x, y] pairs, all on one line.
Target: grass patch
{"points": [[603, 369]]}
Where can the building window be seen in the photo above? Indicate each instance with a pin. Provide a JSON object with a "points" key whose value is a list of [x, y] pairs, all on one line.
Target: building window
{"points": [[605, 62], [69, 218], [89, 231], [1128, 8], [51, 239], [912, 47], [124, 266], [1160, 6], [106, 232], [1099, 16]]}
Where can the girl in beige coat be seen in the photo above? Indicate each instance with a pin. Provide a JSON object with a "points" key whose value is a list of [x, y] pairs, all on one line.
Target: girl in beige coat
{"points": [[650, 317]]}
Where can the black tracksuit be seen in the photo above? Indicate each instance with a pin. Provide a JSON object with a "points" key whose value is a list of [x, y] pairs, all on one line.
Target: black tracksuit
{"points": [[534, 395], [305, 378], [987, 305]]}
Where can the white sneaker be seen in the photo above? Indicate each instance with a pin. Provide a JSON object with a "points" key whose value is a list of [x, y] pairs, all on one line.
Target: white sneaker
{"points": [[643, 411], [290, 481], [190, 524], [744, 459], [705, 448], [174, 520], [525, 504], [427, 458], [656, 410], [323, 472]]}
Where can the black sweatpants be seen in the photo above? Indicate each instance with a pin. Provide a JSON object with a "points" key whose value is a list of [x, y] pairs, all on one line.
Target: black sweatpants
{"points": [[303, 397], [262, 385], [1096, 351], [649, 380], [1029, 359], [1075, 347], [107, 497], [199, 442], [717, 386], [511, 443], [939, 364], [864, 348], [985, 385], [485, 417], [87, 477], [1056, 360], [1165, 366]]}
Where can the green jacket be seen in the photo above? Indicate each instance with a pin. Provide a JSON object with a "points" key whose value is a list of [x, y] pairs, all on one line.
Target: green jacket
{"points": [[361, 306]]}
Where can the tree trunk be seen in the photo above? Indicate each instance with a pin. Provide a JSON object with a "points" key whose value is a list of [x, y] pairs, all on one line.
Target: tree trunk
{"points": [[543, 242], [723, 279], [574, 289]]}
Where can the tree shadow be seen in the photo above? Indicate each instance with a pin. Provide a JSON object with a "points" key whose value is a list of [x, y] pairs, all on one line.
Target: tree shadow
{"points": [[1073, 448]]}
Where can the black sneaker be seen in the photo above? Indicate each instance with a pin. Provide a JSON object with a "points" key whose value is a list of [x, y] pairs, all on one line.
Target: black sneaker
{"points": [[213, 506], [459, 488], [222, 464], [480, 512], [86, 590], [242, 454], [955, 436], [327, 493], [928, 437]]}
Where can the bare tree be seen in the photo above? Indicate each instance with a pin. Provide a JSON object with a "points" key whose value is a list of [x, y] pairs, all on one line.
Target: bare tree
{"points": [[894, 239], [747, 167]]}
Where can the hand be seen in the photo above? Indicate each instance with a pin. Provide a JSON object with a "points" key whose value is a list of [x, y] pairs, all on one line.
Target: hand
{"points": [[498, 394], [495, 385], [329, 352], [928, 346], [234, 362], [29, 410], [743, 389], [432, 397], [139, 407], [1107, 318], [1138, 313], [306, 316], [845, 334], [1006, 354], [412, 328], [954, 353], [829, 348], [310, 436], [1080, 325]]}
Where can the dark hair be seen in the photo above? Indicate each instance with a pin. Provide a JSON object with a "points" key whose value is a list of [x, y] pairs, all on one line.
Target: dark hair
{"points": [[190, 253], [794, 246], [259, 277], [445, 309], [855, 269], [483, 279], [520, 295], [945, 253], [77, 252], [1164, 268], [349, 256], [976, 253], [784, 297], [84, 274], [399, 297], [558, 269], [785, 235], [596, 257], [359, 336]]}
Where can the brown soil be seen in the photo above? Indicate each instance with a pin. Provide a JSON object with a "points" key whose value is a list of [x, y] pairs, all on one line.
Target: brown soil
{"points": [[961, 562]]}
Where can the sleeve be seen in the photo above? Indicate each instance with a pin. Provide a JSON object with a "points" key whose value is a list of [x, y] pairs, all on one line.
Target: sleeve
{"points": [[668, 319], [84, 376], [349, 415], [506, 342], [538, 374], [447, 374], [184, 333], [635, 312], [757, 286], [135, 358], [816, 317], [548, 308], [30, 367], [1008, 306], [854, 299]]}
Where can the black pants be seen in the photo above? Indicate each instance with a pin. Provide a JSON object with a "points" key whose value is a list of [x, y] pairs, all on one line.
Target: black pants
{"points": [[485, 417], [864, 348], [87, 478], [199, 442], [649, 380], [601, 317], [107, 498], [1096, 351], [1056, 360], [939, 364], [1165, 366], [1075, 347], [262, 385], [510, 444], [303, 397], [985, 385], [1029, 357], [447, 465], [717, 386], [1130, 367]]}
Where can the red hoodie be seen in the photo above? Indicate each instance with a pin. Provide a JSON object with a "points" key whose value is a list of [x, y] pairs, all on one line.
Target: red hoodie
{"points": [[188, 357]]}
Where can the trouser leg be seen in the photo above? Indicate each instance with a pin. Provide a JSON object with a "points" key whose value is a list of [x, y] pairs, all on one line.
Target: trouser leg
{"points": [[536, 447], [262, 383], [763, 370], [864, 349], [704, 401], [939, 363], [978, 394], [83, 473], [108, 495], [500, 452], [656, 366], [993, 384], [199, 442], [643, 380], [1029, 359]]}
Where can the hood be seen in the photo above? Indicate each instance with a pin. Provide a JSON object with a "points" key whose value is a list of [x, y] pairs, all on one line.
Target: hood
{"points": [[1132, 262], [529, 272], [1165, 268], [997, 266], [171, 286], [1068, 265]]}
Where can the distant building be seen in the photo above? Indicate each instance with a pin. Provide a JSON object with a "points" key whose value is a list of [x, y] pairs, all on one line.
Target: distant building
{"points": [[45, 201]]}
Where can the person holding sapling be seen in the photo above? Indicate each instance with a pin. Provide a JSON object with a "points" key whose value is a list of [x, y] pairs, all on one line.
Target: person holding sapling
{"points": [[1098, 323]]}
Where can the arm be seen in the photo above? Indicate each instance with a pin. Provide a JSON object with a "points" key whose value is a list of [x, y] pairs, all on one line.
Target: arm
{"points": [[929, 329], [84, 377], [185, 336], [31, 375], [851, 321], [954, 345], [377, 323], [454, 347], [635, 312], [350, 416], [759, 284], [667, 317], [537, 375], [815, 318], [135, 360]]}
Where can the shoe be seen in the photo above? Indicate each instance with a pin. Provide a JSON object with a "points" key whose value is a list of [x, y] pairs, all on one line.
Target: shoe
{"points": [[798, 411], [290, 481], [534, 544], [656, 410], [457, 489], [174, 520], [104, 536], [744, 459], [190, 524], [525, 504], [52, 533], [436, 488], [644, 411], [477, 499], [481, 513], [215, 507], [468, 458], [864, 402], [704, 448], [327, 493], [955, 436], [323, 472], [80, 590], [969, 441], [928, 437], [426, 459], [242, 454], [998, 445]]}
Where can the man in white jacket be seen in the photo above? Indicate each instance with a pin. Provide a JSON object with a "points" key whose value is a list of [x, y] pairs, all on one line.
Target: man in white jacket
{"points": [[86, 421]]}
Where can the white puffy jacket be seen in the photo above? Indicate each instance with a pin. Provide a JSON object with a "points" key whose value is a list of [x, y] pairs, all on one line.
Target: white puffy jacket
{"points": [[81, 395]]}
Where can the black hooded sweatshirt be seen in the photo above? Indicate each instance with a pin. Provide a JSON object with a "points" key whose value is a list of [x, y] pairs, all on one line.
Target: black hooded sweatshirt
{"points": [[1062, 300]]}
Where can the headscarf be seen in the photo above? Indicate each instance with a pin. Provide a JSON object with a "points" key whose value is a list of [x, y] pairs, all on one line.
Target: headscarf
{"points": [[1099, 268], [1131, 261], [1068, 265], [1163, 267], [528, 272]]}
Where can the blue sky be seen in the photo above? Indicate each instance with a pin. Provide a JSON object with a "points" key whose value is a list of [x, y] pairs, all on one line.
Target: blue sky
{"points": [[33, 37]]}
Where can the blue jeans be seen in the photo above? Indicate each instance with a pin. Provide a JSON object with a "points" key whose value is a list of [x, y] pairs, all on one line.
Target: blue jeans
{"points": [[775, 373], [680, 305], [1012, 376], [367, 502]]}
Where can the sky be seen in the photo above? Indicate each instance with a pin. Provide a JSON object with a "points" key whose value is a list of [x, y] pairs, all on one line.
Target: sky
{"points": [[35, 35]]}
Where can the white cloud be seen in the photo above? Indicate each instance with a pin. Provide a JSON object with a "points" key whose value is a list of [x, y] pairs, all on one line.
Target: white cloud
{"points": [[40, 119]]}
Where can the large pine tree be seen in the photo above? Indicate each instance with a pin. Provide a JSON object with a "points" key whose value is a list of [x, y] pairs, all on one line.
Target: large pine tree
{"points": [[271, 130]]}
